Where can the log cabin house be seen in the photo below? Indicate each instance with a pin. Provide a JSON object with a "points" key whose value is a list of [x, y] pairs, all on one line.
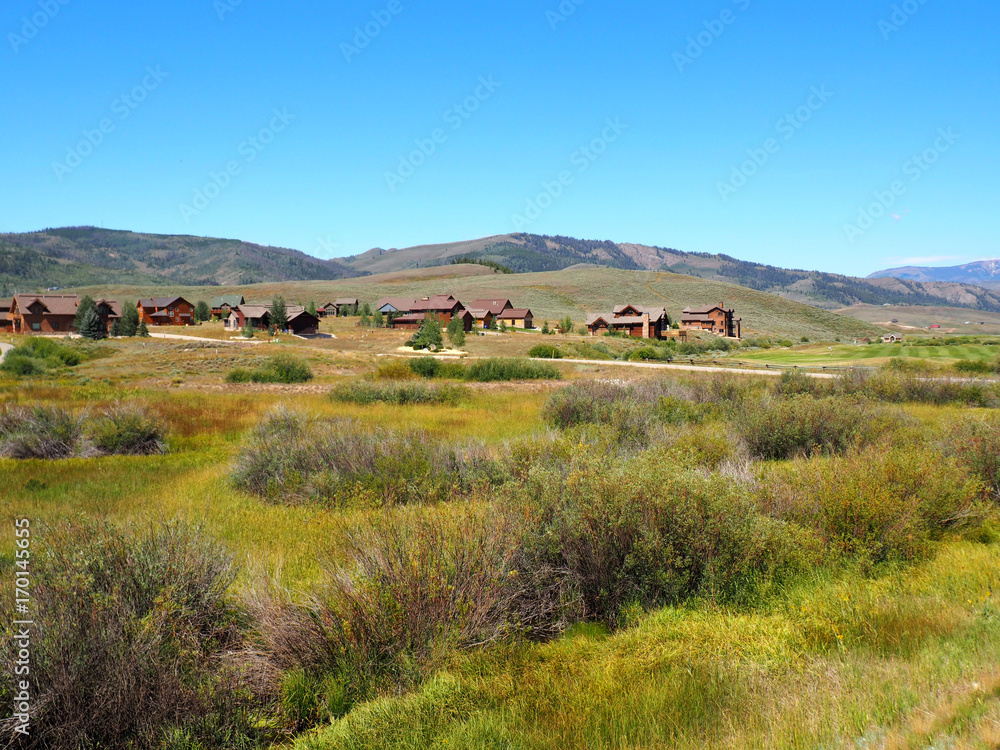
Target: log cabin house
{"points": [[42, 313], [166, 311], [717, 319], [636, 321]]}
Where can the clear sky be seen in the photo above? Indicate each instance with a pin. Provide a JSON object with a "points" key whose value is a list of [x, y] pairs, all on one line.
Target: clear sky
{"points": [[765, 130]]}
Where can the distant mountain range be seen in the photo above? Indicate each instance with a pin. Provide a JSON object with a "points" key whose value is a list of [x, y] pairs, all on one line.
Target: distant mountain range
{"points": [[526, 252], [985, 273], [87, 256]]}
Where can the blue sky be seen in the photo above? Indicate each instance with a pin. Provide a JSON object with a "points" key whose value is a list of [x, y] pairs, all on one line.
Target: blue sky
{"points": [[843, 136]]}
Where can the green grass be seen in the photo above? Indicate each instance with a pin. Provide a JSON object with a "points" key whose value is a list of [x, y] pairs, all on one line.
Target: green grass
{"points": [[868, 354]]}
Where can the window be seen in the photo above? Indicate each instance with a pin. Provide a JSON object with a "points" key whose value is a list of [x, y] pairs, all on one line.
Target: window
{"points": [[36, 326], [55, 325]]}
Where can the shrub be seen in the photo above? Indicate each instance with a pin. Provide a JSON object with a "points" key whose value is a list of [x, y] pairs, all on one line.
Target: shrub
{"points": [[292, 457], [281, 368], [38, 354], [400, 394], [41, 432], [969, 366], [394, 369], [594, 402], [784, 428], [795, 383], [21, 365], [426, 367], [545, 351], [132, 642], [875, 506], [127, 430], [976, 444], [652, 534], [905, 384], [500, 369], [410, 589], [647, 353]]}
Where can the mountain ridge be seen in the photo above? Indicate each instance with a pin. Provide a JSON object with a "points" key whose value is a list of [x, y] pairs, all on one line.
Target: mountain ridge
{"points": [[984, 273]]}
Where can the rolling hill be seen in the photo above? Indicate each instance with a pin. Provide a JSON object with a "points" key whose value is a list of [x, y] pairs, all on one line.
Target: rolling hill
{"points": [[553, 294], [81, 256], [984, 273], [526, 253]]}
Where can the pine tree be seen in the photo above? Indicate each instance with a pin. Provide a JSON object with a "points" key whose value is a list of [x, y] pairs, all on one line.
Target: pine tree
{"points": [[91, 327], [378, 319], [86, 305], [311, 308], [130, 320], [202, 311], [279, 313], [458, 337], [366, 320], [428, 336], [116, 328], [142, 330]]}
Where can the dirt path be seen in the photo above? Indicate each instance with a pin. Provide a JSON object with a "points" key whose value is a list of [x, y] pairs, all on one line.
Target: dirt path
{"points": [[4, 348], [691, 368], [176, 337]]}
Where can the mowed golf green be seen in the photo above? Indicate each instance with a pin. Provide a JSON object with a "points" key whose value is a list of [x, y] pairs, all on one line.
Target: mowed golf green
{"points": [[871, 354]]}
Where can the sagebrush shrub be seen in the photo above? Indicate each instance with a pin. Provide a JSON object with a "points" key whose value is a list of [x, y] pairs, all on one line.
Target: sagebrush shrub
{"points": [[42, 432], [397, 393], [505, 369], [127, 430], [975, 442], [131, 638]]}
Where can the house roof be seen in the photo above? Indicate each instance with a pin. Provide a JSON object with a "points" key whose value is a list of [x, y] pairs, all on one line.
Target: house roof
{"points": [[55, 304], [515, 314], [479, 314], [346, 301], [707, 310], [255, 312], [113, 305], [495, 306], [434, 304], [403, 304], [301, 314], [691, 318], [5, 304], [411, 318], [157, 302], [233, 300], [594, 318], [655, 313]]}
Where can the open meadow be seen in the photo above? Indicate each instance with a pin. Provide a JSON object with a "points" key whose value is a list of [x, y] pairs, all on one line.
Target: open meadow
{"points": [[497, 551]]}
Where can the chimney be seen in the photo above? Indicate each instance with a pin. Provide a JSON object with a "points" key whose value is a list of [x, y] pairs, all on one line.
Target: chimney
{"points": [[645, 325]]}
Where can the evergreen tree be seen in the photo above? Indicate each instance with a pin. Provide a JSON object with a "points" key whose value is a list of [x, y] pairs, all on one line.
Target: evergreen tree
{"points": [[86, 305], [366, 320], [428, 336], [142, 330], [130, 319], [378, 319], [247, 331], [279, 313], [566, 324], [367, 309], [311, 308], [91, 327], [202, 311], [116, 328], [503, 326], [457, 336], [545, 328]]}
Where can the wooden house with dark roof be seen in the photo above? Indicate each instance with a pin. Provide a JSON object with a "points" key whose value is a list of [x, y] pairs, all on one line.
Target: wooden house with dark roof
{"points": [[637, 321], [43, 313], [517, 318], [6, 324], [222, 306], [166, 311], [717, 319]]}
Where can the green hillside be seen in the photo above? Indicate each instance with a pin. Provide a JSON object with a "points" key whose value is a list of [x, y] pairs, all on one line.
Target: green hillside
{"points": [[554, 294], [89, 256], [525, 253]]}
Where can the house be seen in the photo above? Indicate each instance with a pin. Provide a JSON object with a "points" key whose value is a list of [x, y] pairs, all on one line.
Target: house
{"points": [[222, 306], [495, 306], [636, 321], [443, 305], [257, 317], [327, 310], [303, 323], [517, 318], [892, 338], [408, 322], [481, 318], [6, 324], [166, 311], [348, 305], [109, 310], [717, 319], [467, 318], [42, 313]]}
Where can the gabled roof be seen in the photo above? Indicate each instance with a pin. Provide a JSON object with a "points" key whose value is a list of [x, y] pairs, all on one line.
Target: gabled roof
{"points": [[595, 318], [706, 310], [158, 302], [403, 304], [495, 306], [232, 300], [515, 314], [436, 303], [655, 313], [479, 314], [411, 318], [54, 304], [346, 301], [6, 303], [301, 314], [113, 305], [254, 312]]}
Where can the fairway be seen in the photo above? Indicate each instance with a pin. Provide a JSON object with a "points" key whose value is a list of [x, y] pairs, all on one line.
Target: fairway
{"points": [[871, 354]]}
